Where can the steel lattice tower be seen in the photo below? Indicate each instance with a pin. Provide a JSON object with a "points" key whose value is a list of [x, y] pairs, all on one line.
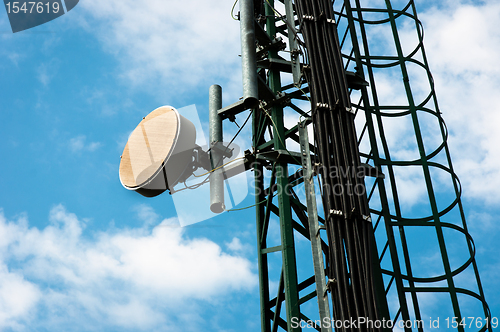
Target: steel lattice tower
{"points": [[319, 61]]}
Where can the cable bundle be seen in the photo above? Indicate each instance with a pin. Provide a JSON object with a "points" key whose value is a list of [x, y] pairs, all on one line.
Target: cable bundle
{"points": [[350, 233]]}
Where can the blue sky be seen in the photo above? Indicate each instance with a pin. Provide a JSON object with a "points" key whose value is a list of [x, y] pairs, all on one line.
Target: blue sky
{"points": [[79, 252]]}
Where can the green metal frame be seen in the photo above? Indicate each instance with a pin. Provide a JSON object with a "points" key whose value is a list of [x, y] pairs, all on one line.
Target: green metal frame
{"points": [[294, 219], [276, 174], [358, 54]]}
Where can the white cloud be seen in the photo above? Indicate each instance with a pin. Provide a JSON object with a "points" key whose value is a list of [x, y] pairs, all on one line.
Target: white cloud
{"points": [[147, 214], [130, 278], [463, 47], [46, 71], [15, 57], [172, 47], [17, 297], [237, 246], [78, 144]]}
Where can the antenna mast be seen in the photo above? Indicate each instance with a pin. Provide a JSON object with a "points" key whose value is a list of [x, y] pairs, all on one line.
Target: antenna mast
{"points": [[363, 244], [377, 257]]}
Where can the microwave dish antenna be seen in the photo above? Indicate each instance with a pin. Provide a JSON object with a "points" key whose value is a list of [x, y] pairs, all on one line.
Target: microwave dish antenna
{"points": [[159, 153]]}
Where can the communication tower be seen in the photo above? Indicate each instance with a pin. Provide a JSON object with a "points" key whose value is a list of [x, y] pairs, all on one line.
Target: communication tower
{"points": [[326, 63]]}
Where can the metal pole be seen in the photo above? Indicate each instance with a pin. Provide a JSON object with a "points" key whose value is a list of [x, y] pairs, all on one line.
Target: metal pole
{"points": [[216, 156], [248, 55], [290, 278], [292, 41], [312, 212]]}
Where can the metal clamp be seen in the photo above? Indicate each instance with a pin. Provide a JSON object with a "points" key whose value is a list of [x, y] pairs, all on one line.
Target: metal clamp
{"points": [[336, 212], [331, 282]]}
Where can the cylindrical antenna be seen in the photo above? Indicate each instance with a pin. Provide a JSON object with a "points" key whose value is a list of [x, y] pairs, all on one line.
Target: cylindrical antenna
{"points": [[216, 150], [248, 55]]}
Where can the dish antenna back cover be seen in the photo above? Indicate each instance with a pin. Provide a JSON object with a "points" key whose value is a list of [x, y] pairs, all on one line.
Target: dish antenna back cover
{"points": [[158, 153]]}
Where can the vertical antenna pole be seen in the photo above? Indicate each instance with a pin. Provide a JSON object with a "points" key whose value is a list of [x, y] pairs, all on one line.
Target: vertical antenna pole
{"points": [[292, 41], [216, 156], [312, 212], [248, 55], [290, 277]]}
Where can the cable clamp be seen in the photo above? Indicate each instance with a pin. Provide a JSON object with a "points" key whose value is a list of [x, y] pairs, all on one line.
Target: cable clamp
{"points": [[330, 283], [312, 18], [316, 167], [336, 212], [320, 227], [323, 105]]}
